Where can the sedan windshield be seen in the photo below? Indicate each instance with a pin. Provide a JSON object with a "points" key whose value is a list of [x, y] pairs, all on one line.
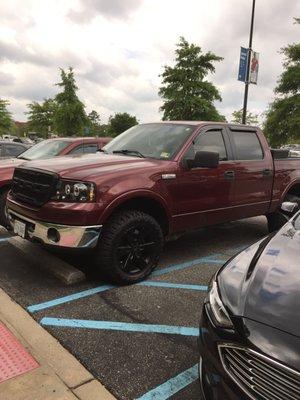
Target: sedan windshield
{"points": [[161, 141], [45, 149]]}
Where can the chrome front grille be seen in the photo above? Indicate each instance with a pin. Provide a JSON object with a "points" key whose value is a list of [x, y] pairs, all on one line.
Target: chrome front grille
{"points": [[259, 376]]}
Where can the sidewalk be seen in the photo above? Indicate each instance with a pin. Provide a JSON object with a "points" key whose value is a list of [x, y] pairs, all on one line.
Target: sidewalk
{"points": [[52, 373]]}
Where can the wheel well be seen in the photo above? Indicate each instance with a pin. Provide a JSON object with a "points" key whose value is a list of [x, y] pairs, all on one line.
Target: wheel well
{"points": [[148, 206], [295, 190]]}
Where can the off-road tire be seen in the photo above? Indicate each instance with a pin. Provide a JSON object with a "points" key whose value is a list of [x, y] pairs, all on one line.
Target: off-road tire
{"points": [[115, 231]]}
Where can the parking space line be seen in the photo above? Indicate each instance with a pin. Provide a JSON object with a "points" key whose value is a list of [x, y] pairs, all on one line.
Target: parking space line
{"points": [[99, 289], [76, 296], [66, 299], [120, 326], [173, 385], [214, 259], [173, 285]]}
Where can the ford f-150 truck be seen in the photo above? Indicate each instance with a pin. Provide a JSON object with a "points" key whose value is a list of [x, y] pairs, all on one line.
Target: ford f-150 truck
{"points": [[151, 182]]}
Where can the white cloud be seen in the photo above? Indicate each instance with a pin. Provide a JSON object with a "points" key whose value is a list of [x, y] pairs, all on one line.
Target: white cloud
{"points": [[118, 49]]}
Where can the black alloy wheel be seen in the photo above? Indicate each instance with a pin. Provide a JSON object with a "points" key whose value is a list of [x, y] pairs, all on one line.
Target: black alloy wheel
{"points": [[129, 247]]}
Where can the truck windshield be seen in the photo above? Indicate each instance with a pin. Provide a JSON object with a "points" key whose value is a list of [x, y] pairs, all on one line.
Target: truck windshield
{"points": [[45, 149], [161, 141]]}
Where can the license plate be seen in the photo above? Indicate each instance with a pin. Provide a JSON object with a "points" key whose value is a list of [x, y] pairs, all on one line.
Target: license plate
{"points": [[20, 228]]}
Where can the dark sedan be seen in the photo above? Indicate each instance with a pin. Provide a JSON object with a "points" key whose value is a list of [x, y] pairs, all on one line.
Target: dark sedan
{"points": [[250, 327], [11, 149]]}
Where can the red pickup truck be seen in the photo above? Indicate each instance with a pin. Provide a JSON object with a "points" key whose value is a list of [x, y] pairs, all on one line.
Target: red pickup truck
{"points": [[45, 149], [151, 182]]}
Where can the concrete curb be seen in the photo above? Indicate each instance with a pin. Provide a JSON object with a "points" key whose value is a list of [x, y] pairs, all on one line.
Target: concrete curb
{"points": [[47, 261], [48, 351]]}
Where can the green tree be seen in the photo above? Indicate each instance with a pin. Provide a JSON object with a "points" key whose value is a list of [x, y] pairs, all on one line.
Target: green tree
{"points": [[187, 95], [70, 116], [41, 117], [120, 122], [237, 117], [283, 115], [94, 123], [5, 118]]}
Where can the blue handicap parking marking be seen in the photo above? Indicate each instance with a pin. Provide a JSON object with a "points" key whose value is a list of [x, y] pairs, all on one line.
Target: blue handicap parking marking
{"points": [[90, 292], [205, 260], [173, 285], [66, 299], [121, 326], [173, 385], [176, 267]]}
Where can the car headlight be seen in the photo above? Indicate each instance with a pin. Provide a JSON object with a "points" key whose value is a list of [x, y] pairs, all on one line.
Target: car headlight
{"points": [[75, 192], [219, 313]]}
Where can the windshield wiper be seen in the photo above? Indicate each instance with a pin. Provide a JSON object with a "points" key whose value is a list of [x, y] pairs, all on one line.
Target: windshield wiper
{"points": [[23, 158], [127, 151]]}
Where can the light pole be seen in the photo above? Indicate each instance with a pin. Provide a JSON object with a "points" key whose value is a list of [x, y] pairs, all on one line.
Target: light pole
{"points": [[244, 120]]}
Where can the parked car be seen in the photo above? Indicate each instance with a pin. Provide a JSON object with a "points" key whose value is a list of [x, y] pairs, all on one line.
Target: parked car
{"points": [[23, 140], [250, 328], [295, 151], [151, 182], [43, 150], [10, 149]]}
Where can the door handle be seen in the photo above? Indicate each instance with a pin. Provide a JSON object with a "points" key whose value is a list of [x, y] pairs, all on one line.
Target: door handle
{"points": [[229, 175], [267, 172]]}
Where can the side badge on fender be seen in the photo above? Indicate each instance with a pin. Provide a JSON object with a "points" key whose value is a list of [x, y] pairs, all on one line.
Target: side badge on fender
{"points": [[168, 176]]}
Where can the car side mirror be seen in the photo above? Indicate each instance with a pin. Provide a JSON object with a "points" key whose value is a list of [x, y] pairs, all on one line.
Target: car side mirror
{"points": [[289, 207], [204, 159]]}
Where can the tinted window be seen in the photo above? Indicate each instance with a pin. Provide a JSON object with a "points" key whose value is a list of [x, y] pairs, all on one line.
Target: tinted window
{"points": [[77, 150], [91, 148], [208, 141], [13, 150], [247, 146]]}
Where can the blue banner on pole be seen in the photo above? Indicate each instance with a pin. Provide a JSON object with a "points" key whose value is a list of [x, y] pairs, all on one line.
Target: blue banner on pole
{"points": [[243, 65]]}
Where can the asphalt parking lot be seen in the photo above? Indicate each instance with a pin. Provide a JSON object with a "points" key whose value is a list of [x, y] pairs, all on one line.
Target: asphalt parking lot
{"points": [[140, 341]]}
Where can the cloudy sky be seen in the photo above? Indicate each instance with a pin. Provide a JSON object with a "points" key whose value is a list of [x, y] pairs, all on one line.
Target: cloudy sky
{"points": [[118, 49]]}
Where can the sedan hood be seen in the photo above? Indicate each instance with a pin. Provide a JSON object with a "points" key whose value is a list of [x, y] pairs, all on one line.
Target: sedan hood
{"points": [[90, 167], [266, 290]]}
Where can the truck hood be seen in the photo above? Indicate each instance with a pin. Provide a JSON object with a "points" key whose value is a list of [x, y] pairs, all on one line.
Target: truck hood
{"points": [[11, 162], [90, 167], [266, 290]]}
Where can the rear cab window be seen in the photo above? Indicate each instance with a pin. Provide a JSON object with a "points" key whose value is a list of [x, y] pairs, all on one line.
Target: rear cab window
{"points": [[247, 145], [91, 148]]}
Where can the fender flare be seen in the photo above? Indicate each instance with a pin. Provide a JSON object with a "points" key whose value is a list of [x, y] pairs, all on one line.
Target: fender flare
{"points": [[135, 194]]}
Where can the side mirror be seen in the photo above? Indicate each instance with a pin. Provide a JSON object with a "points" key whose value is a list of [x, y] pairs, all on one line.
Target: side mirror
{"points": [[204, 159], [289, 207]]}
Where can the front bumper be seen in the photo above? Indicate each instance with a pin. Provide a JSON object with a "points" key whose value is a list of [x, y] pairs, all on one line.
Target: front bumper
{"points": [[55, 234], [216, 384]]}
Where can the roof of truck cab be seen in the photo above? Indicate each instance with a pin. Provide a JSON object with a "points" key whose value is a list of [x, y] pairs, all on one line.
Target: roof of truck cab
{"points": [[79, 139], [199, 123]]}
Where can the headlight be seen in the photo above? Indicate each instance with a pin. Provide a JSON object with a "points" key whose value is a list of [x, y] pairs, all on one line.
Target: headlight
{"points": [[75, 192], [219, 313]]}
